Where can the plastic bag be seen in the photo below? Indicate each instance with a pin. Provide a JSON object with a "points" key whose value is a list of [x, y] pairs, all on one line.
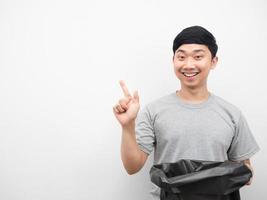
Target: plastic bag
{"points": [[200, 180]]}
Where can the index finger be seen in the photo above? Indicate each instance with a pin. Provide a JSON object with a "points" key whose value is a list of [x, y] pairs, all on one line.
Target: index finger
{"points": [[124, 89]]}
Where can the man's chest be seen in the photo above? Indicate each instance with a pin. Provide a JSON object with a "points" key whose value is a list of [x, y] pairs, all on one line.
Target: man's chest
{"points": [[205, 127]]}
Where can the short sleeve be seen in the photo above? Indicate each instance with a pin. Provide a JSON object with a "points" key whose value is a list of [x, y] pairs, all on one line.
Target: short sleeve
{"points": [[243, 144], [144, 131]]}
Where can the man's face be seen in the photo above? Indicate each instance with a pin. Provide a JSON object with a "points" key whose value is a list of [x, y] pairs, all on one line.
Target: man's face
{"points": [[192, 63]]}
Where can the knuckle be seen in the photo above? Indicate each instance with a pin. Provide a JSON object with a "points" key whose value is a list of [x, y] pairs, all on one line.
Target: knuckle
{"points": [[120, 108], [121, 101], [124, 100]]}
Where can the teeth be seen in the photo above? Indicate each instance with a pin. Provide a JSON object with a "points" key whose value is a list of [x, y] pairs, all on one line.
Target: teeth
{"points": [[190, 75]]}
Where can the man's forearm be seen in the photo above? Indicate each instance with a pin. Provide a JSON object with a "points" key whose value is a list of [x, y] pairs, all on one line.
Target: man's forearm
{"points": [[130, 152], [248, 164]]}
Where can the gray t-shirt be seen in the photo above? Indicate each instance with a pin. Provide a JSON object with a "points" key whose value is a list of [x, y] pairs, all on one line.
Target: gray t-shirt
{"points": [[214, 130]]}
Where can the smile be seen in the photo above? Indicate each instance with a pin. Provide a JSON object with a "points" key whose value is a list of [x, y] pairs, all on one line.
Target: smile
{"points": [[190, 74]]}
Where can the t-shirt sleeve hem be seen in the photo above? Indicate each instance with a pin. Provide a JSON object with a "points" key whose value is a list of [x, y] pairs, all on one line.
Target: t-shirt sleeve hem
{"points": [[144, 149], [245, 156]]}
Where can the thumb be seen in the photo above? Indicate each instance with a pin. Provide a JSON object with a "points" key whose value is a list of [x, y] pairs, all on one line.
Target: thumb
{"points": [[136, 96]]}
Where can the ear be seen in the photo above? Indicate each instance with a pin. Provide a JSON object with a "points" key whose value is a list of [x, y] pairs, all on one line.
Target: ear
{"points": [[214, 62]]}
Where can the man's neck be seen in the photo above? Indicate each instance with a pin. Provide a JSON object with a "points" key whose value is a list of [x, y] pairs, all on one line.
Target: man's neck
{"points": [[196, 95]]}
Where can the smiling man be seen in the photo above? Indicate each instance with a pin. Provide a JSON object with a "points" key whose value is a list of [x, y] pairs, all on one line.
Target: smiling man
{"points": [[188, 55], [189, 123]]}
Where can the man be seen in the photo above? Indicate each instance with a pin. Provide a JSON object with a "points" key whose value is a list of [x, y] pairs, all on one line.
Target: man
{"points": [[190, 123]]}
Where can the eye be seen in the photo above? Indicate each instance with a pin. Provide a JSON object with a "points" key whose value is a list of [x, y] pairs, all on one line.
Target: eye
{"points": [[181, 57], [198, 57]]}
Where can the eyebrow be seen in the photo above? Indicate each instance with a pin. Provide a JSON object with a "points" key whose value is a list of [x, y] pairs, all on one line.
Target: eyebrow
{"points": [[195, 50]]}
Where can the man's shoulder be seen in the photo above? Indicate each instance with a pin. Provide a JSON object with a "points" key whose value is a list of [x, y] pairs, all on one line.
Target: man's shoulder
{"points": [[226, 106], [164, 100]]}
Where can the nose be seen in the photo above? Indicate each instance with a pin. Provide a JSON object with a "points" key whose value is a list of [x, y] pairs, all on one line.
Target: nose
{"points": [[189, 64]]}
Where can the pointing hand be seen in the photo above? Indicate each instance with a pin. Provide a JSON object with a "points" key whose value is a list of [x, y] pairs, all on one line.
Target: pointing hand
{"points": [[127, 107]]}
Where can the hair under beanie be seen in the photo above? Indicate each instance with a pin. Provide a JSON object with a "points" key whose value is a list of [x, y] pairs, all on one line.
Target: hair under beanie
{"points": [[196, 35]]}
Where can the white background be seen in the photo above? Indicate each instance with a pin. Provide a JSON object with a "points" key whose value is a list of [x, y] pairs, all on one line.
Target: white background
{"points": [[60, 63]]}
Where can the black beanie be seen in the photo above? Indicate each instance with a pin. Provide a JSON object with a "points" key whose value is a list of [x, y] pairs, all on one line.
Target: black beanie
{"points": [[196, 35]]}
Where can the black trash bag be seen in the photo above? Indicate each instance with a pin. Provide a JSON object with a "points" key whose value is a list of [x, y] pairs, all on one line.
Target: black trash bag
{"points": [[200, 180]]}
